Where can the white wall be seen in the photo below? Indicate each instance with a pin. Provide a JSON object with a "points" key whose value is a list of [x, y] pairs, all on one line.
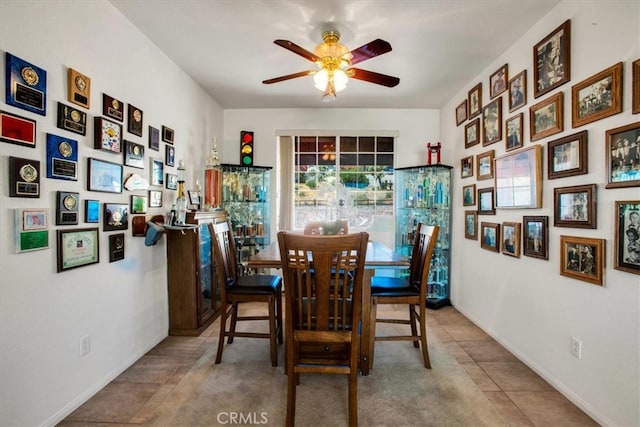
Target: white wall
{"points": [[123, 305], [525, 303]]}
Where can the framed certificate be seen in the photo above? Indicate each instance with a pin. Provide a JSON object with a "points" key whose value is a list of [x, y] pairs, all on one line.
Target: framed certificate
{"points": [[107, 135], [79, 88], [26, 85], [32, 229], [62, 158], [104, 176], [77, 248]]}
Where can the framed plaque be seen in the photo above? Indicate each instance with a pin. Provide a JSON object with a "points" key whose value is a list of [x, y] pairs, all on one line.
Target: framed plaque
{"points": [[17, 130], [72, 119], [67, 208], [112, 108], [157, 172], [79, 88], [139, 204], [77, 248], [134, 124], [24, 177], [171, 181], [169, 155], [62, 158], [167, 134], [32, 230], [115, 216], [26, 85], [107, 135], [116, 247], [155, 198], [92, 211], [104, 176], [154, 138], [133, 154]]}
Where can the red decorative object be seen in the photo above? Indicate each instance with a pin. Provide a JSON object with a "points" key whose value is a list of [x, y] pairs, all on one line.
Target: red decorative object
{"points": [[431, 150]]}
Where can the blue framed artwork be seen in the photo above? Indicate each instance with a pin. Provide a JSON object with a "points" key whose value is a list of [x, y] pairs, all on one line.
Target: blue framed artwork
{"points": [[62, 158], [92, 211], [26, 85]]}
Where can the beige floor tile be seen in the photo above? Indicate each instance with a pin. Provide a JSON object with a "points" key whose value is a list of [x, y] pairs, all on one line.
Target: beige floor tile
{"points": [[469, 332], [439, 332], [509, 411], [448, 316], [514, 376], [479, 377], [153, 404], [550, 408], [454, 349], [487, 351], [151, 369]]}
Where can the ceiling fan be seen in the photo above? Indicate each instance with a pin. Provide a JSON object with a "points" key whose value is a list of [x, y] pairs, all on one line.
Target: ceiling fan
{"points": [[335, 63]]}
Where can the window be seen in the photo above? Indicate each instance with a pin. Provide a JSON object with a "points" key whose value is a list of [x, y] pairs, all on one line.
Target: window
{"points": [[342, 177]]}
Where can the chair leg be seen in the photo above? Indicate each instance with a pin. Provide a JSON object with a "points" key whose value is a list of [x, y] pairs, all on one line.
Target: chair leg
{"points": [[291, 398], [279, 317], [353, 396], [234, 320], [423, 337], [412, 319], [223, 328], [372, 331], [272, 332]]}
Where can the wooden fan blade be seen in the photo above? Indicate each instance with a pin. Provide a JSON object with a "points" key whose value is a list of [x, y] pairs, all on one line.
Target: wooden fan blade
{"points": [[288, 77], [370, 50], [297, 50], [372, 77]]}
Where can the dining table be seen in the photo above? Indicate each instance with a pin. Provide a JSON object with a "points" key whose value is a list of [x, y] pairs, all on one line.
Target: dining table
{"points": [[378, 256]]}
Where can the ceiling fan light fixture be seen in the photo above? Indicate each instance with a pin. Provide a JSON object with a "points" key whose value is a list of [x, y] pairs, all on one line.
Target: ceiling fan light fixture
{"points": [[340, 80], [321, 79], [329, 94]]}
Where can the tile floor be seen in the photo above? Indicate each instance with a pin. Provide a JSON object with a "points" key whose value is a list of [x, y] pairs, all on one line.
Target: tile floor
{"points": [[518, 393]]}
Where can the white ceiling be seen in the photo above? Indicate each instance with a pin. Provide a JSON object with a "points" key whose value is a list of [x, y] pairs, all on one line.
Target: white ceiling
{"points": [[227, 46]]}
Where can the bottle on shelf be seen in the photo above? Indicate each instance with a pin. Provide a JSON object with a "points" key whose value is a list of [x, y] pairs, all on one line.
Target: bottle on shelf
{"points": [[181, 201]]}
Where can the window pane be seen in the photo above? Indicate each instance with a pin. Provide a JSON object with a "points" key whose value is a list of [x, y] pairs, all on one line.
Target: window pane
{"points": [[348, 144], [367, 143], [365, 159], [308, 159], [384, 160], [307, 144], [348, 159], [385, 144]]}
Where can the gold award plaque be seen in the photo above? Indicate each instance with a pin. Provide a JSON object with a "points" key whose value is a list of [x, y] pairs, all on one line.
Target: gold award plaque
{"points": [[79, 88]]}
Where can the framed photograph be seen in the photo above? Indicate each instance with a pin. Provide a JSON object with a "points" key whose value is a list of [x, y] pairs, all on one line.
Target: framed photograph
{"points": [[552, 60], [79, 88], [107, 135], [635, 94], [115, 216], [92, 211], [138, 204], [518, 181], [511, 239], [484, 165], [471, 225], [167, 134], [469, 195], [133, 154], [627, 236], [466, 167], [157, 172], [134, 123], [545, 117], [518, 91], [17, 130], [26, 85], [492, 122], [116, 247], [567, 156], [171, 181], [169, 155], [154, 138], [24, 177], [474, 101], [155, 198], [622, 153], [498, 81], [597, 97], [67, 208], [536, 236], [461, 113], [486, 206], [104, 176], [194, 199], [490, 236], [112, 108], [72, 119], [575, 206], [514, 132], [472, 133], [31, 230], [77, 248], [582, 258]]}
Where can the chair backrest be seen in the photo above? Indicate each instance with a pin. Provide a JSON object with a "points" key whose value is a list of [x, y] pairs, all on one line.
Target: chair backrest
{"points": [[224, 250], [323, 281], [423, 247], [327, 228]]}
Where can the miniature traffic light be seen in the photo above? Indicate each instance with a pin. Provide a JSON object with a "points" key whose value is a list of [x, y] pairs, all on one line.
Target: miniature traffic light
{"points": [[246, 148]]}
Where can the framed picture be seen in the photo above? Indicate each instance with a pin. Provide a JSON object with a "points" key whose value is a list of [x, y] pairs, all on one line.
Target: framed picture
{"points": [[26, 85], [31, 229], [518, 181], [469, 195], [112, 108], [472, 133], [79, 88], [92, 211], [194, 199], [157, 172], [545, 117], [17, 130], [575, 206], [484, 165], [171, 181], [77, 248], [466, 167], [498, 81], [24, 177], [167, 134], [116, 247], [627, 236], [115, 216], [138, 204], [567, 156], [490, 236], [471, 225], [622, 153], [511, 239], [582, 258], [486, 205], [635, 94], [492, 122], [461, 113], [154, 138], [536, 236], [552, 60], [107, 135], [133, 154], [134, 123], [155, 198], [514, 132], [169, 155], [518, 91], [597, 97], [104, 176], [474, 101]]}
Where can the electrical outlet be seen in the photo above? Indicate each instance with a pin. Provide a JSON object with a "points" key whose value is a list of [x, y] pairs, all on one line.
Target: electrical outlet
{"points": [[576, 347], [85, 345]]}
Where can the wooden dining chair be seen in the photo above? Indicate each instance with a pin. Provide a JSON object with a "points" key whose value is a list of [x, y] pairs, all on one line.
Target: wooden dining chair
{"points": [[323, 309], [411, 290], [236, 289]]}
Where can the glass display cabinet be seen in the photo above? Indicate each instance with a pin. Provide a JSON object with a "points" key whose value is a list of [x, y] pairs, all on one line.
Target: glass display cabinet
{"points": [[423, 194]]}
